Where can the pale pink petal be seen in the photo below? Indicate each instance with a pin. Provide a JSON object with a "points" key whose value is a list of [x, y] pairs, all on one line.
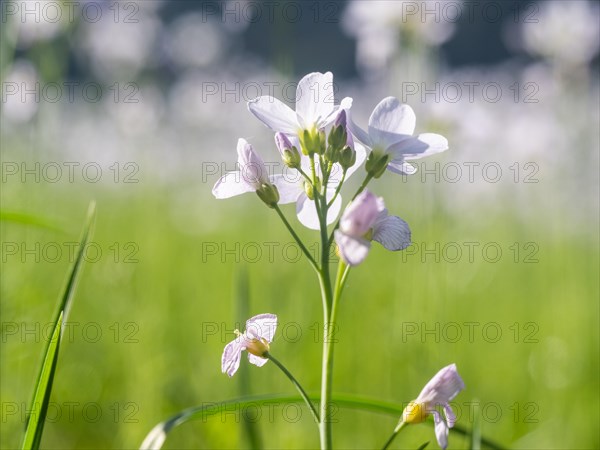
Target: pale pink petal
{"points": [[443, 387], [391, 122], [360, 215], [450, 416], [289, 186], [401, 167], [274, 114], [392, 232], [257, 360], [230, 185], [230, 361], [252, 166], [418, 147], [441, 430], [352, 250], [262, 326], [315, 98]]}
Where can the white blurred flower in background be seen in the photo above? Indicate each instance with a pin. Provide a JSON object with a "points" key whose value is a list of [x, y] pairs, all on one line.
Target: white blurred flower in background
{"points": [[381, 26], [194, 41], [567, 32], [17, 105], [120, 49]]}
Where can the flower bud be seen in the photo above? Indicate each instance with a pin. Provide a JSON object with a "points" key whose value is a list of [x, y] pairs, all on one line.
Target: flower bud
{"points": [[312, 141], [377, 163], [310, 189], [269, 194], [347, 157], [340, 120], [289, 153]]}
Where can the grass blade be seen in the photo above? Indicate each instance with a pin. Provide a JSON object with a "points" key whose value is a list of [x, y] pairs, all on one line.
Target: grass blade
{"points": [[242, 301], [157, 436], [29, 219], [43, 388]]}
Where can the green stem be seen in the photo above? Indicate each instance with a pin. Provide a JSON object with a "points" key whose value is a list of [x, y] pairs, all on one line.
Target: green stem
{"points": [[297, 238], [394, 434], [337, 190], [295, 382], [328, 347]]}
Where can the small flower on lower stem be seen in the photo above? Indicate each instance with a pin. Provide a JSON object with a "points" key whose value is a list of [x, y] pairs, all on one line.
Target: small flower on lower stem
{"points": [[366, 219], [256, 339], [441, 389], [252, 176]]}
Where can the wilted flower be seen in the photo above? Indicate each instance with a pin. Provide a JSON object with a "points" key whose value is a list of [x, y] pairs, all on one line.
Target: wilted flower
{"points": [[366, 219], [390, 137], [256, 339], [314, 107], [441, 389]]}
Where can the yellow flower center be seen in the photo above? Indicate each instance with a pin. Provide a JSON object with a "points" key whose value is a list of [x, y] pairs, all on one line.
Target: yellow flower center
{"points": [[414, 413]]}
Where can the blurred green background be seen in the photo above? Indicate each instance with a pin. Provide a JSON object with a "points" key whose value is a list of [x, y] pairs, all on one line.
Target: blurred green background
{"points": [[502, 278]]}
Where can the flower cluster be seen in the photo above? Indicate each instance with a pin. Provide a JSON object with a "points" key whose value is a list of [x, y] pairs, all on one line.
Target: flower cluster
{"points": [[322, 146]]}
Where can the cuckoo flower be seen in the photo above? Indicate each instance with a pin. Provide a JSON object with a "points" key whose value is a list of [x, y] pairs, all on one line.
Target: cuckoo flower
{"points": [[366, 219], [314, 106], [390, 137], [251, 176], [292, 186], [256, 339], [440, 390]]}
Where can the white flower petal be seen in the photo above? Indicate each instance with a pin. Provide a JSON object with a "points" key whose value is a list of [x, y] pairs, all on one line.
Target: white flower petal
{"points": [[441, 430], [230, 361], [391, 122], [392, 232], [418, 147], [307, 212], [361, 135], [315, 97], [275, 114], [401, 167], [230, 185], [352, 250], [361, 155], [335, 208], [345, 104], [257, 360], [262, 326], [289, 186]]}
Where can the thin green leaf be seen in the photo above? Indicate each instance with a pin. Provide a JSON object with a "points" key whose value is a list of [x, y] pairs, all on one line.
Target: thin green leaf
{"points": [[43, 388], [475, 437], [29, 219], [157, 436], [423, 446]]}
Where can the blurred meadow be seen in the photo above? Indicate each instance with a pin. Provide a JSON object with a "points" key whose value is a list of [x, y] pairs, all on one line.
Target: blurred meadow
{"points": [[138, 106]]}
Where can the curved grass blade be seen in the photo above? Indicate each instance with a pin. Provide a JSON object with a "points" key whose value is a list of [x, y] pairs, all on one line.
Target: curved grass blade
{"points": [[29, 219], [157, 436], [43, 388]]}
